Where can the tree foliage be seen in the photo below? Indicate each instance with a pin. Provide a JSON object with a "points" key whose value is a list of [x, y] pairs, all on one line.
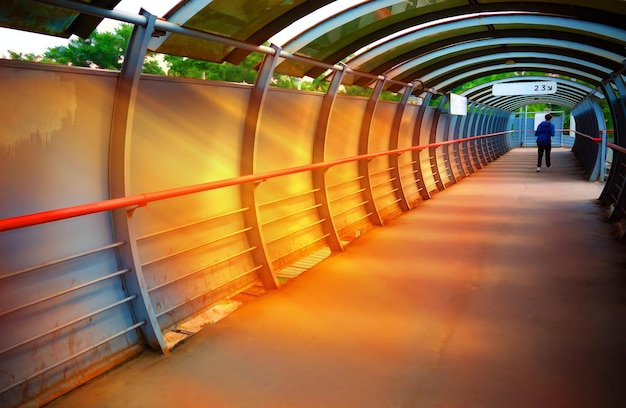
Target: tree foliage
{"points": [[103, 50], [192, 68]]}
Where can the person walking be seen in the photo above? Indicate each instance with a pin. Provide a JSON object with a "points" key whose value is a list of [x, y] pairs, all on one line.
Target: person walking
{"points": [[544, 134]]}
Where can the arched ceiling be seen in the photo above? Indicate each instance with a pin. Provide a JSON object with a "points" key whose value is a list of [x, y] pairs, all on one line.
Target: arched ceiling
{"points": [[442, 43]]}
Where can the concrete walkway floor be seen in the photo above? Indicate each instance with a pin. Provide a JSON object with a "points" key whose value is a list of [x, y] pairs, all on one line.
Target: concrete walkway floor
{"points": [[507, 290]]}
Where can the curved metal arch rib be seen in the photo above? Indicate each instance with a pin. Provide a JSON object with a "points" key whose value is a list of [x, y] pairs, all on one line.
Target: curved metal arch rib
{"points": [[516, 103], [573, 87], [579, 12], [585, 31], [567, 48], [441, 61], [451, 74], [569, 94], [503, 102], [487, 97], [602, 33]]}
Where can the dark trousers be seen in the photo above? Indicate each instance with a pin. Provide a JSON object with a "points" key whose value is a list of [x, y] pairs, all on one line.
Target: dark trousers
{"points": [[540, 151]]}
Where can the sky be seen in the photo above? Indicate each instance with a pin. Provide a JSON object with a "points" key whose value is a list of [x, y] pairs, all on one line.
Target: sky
{"points": [[26, 42]]}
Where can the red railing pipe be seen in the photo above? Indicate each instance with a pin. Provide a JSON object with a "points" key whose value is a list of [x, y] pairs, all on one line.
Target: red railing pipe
{"points": [[142, 200], [593, 139], [619, 148]]}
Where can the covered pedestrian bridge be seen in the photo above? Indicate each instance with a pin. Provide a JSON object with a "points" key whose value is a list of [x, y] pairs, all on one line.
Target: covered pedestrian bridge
{"points": [[134, 205]]}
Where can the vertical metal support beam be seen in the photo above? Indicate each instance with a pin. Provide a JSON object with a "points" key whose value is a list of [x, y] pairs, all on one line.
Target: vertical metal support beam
{"points": [[494, 127], [505, 144], [446, 122], [364, 139], [319, 156], [248, 153], [466, 146], [119, 181], [483, 151], [457, 148], [432, 151], [394, 159], [417, 166], [503, 125], [601, 156], [618, 110], [491, 147], [512, 140], [471, 129]]}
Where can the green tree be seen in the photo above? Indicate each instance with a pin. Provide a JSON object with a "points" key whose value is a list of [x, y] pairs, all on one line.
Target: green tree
{"points": [[20, 56], [103, 50], [192, 68]]}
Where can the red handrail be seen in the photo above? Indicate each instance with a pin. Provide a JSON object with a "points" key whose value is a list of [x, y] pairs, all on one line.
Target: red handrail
{"points": [[593, 139], [142, 200], [613, 146]]}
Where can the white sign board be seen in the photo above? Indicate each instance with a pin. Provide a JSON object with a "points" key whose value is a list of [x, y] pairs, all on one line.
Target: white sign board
{"points": [[458, 105], [524, 88]]}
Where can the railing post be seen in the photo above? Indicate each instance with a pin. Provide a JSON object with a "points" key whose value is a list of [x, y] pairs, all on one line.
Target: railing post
{"points": [[119, 185], [484, 143], [319, 156], [446, 121], [417, 166], [463, 133], [432, 151], [394, 159], [613, 194], [471, 131], [248, 152], [364, 138], [457, 148], [598, 169]]}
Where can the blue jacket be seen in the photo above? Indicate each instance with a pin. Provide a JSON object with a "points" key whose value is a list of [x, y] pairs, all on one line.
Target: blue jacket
{"points": [[544, 133]]}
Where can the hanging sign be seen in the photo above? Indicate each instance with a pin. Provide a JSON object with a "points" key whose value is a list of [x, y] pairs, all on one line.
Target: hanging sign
{"points": [[458, 104], [524, 88]]}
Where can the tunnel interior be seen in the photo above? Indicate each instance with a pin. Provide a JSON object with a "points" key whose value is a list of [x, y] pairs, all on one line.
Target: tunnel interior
{"points": [[132, 203]]}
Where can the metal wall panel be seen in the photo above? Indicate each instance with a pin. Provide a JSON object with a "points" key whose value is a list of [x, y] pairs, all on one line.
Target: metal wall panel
{"points": [[287, 208], [345, 195], [193, 249], [64, 314], [406, 160], [427, 171], [380, 170]]}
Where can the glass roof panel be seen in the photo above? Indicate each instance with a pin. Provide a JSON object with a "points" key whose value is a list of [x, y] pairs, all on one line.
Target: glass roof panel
{"points": [[299, 27], [238, 19], [46, 19], [369, 61], [340, 30]]}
